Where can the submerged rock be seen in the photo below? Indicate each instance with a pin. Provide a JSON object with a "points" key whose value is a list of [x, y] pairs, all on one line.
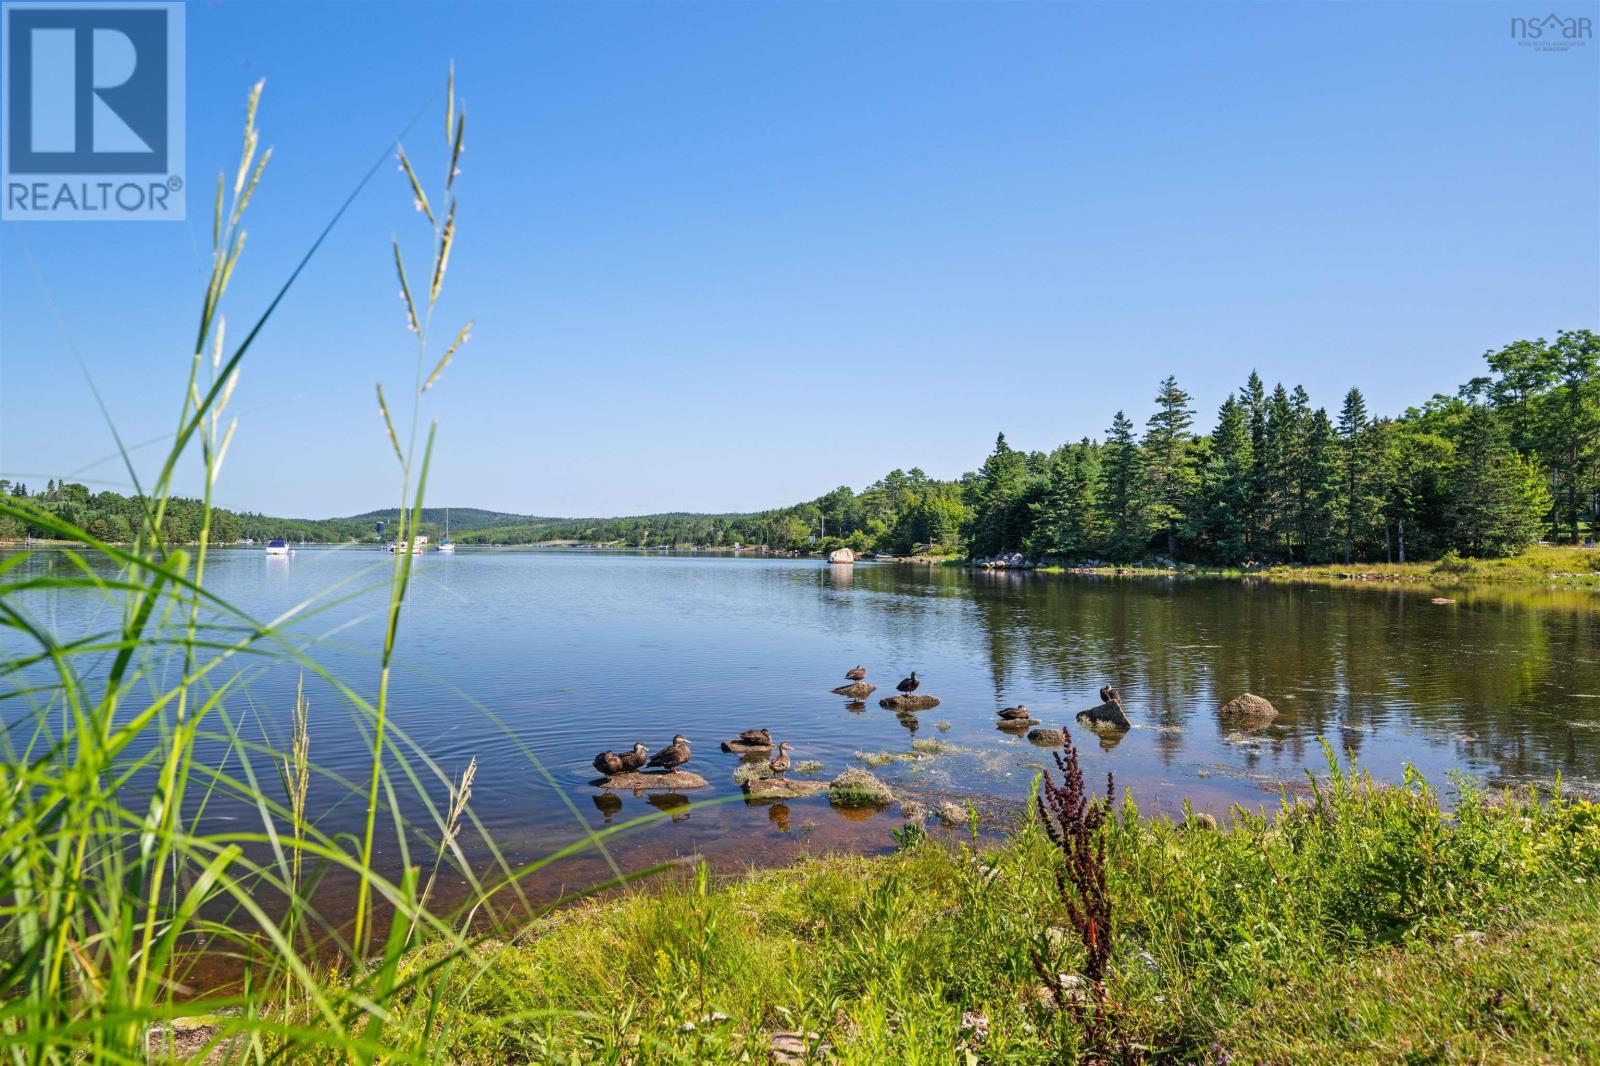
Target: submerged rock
{"points": [[1248, 707], [781, 788], [641, 781], [857, 788], [912, 702], [858, 691], [1052, 738]]}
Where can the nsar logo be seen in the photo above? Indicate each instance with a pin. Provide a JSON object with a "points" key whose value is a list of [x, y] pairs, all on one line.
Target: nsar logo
{"points": [[93, 111], [1552, 33]]}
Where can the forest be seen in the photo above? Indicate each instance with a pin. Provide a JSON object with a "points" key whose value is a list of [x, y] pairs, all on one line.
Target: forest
{"points": [[1508, 458]]}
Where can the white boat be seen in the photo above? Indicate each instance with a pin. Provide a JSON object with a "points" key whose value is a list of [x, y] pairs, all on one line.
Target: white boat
{"points": [[277, 546], [419, 544], [445, 545]]}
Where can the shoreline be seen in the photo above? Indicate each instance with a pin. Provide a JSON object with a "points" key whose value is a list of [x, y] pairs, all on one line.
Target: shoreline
{"points": [[1250, 941]]}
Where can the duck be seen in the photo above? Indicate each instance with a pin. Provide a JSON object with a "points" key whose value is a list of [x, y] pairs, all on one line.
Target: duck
{"points": [[672, 756], [608, 763], [910, 684], [1014, 714], [1109, 694], [858, 674], [635, 759], [755, 738], [781, 764]]}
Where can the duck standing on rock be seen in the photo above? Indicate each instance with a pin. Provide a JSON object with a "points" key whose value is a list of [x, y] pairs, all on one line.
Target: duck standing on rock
{"points": [[1014, 714], [608, 763], [910, 684], [781, 764], [858, 674], [635, 759], [672, 756], [1109, 694]]}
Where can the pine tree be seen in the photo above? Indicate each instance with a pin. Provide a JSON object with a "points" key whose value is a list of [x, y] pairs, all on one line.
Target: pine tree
{"points": [[1063, 514], [1123, 504], [1170, 473], [1357, 465], [1497, 498], [999, 510], [1319, 489], [1254, 398], [1222, 526], [1275, 482]]}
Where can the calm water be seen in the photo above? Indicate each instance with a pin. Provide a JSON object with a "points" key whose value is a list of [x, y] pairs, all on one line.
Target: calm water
{"points": [[533, 661]]}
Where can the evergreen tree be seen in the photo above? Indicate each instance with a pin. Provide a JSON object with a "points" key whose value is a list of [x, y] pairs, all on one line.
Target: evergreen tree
{"points": [[1170, 475], [1122, 500], [1064, 512], [1222, 528], [1277, 474], [1497, 498], [1254, 398], [1319, 489], [1357, 468], [999, 511]]}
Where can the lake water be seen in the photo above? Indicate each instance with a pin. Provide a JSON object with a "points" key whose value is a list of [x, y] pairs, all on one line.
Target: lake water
{"points": [[532, 661]]}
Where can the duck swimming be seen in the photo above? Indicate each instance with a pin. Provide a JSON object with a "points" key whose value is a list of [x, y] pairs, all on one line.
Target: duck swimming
{"points": [[781, 764], [672, 756], [858, 674]]}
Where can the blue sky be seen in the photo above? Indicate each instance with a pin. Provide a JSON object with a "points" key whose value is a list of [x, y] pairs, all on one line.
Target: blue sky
{"points": [[728, 256]]}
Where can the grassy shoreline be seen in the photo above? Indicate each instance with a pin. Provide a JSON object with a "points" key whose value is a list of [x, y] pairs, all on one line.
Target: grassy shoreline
{"points": [[1366, 924], [1560, 566]]}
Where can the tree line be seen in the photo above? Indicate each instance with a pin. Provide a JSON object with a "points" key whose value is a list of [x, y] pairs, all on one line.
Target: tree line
{"points": [[1509, 457]]}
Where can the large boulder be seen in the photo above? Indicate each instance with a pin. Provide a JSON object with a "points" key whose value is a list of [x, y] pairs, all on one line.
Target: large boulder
{"points": [[905, 703], [1248, 708], [841, 555], [858, 691], [1108, 715]]}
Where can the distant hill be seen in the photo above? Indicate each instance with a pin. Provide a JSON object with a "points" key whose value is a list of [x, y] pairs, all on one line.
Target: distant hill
{"points": [[474, 525]]}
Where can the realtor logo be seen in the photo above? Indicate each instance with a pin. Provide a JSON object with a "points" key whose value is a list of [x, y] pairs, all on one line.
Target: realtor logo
{"points": [[93, 111]]}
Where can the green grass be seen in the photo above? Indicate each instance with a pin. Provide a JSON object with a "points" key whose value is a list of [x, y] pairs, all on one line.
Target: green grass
{"points": [[1366, 925], [1543, 565]]}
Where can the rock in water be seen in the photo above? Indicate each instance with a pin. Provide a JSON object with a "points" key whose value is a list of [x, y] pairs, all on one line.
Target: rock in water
{"points": [[641, 781], [739, 747], [781, 788], [1050, 737], [908, 703], [1248, 707], [841, 555], [858, 691], [1106, 716], [857, 788]]}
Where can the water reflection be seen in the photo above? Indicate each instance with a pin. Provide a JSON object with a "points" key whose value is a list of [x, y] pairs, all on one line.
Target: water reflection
{"points": [[533, 661]]}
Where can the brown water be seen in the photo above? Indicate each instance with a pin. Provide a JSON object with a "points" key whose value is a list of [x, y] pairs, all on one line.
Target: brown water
{"points": [[532, 661]]}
